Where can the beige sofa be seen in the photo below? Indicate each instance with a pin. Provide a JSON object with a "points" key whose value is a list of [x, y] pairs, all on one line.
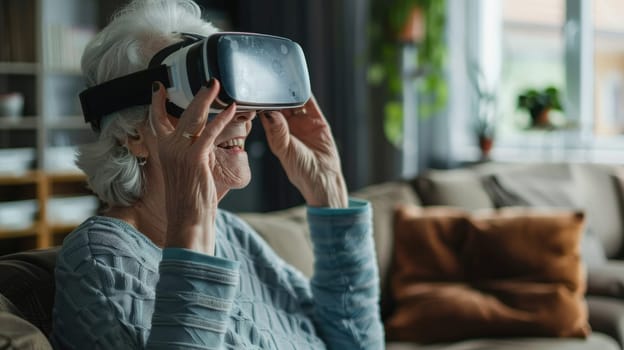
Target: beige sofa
{"points": [[594, 185], [27, 281]]}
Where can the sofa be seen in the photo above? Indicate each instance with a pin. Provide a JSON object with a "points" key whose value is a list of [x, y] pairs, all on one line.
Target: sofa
{"points": [[27, 283]]}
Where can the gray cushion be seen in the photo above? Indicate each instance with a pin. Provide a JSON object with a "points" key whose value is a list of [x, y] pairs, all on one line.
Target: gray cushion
{"points": [[607, 280], [605, 214], [524, 188]]}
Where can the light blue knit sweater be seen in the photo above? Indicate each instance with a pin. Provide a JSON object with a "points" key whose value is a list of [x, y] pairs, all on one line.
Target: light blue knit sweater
{"points": [[117, 290]]}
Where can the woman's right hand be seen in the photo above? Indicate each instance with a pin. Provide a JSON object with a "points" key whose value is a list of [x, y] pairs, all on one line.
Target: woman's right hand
{"points": [[186, 154]]}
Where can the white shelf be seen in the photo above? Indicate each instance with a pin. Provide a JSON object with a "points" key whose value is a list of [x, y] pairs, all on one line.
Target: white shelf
{"points": [[67, 122], [19, 68], [61, 71], [13, 123]]}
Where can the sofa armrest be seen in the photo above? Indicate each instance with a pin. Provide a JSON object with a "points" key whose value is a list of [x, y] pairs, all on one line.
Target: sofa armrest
{"points": [[27, 281], [18, 334], [606, 279], [606, 315]]}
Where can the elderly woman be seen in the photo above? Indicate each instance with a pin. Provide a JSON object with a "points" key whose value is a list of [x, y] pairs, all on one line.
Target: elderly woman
{"points": [[163, 267]]}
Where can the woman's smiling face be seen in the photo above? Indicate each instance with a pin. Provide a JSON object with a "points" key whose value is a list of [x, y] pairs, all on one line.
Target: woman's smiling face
{"points": [[231, 165], [231, 168]]}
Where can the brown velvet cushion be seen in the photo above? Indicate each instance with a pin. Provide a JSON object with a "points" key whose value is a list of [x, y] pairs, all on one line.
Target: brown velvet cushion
{"points": [[511, 272]]}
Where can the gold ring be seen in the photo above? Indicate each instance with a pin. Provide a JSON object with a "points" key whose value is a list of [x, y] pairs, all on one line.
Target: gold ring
{"points": [[189, 136], [300, 111]]}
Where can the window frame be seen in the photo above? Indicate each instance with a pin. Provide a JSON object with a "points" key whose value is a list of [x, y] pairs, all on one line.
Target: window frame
{"points": [[578, 144]]}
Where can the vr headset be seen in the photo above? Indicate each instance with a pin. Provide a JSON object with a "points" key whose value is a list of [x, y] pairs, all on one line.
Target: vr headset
{"points": [[257, 71]]}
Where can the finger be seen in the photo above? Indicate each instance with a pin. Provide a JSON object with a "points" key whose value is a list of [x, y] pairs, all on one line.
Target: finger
{"points": [[311, 122], [277, 131], [195, 116], [314, 108], [158, 111], [214, 127], [311, 111]]}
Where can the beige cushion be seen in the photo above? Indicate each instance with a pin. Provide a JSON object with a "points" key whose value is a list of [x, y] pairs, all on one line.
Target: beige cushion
{"points": [[455, 188], [288, 234]]}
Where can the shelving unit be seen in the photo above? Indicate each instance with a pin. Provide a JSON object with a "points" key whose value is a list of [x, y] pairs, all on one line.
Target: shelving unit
{"points": [[42, 42], [39, 230]]}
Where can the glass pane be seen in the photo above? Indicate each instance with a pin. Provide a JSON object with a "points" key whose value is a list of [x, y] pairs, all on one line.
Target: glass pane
{"points": [[533, 58], [609, 67], [549, 12]]}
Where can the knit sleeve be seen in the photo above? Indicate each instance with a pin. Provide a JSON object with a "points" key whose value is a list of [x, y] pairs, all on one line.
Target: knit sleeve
{"points": [[345, 285], [106, 299], [193, 300]]}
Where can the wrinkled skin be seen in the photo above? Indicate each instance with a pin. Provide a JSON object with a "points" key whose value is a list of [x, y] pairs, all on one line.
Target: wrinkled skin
{"points": [[304, 145], [197, 163]]}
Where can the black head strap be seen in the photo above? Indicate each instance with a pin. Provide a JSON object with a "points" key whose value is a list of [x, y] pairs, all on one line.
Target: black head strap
{"points": [[187, 39], [129, 90]]}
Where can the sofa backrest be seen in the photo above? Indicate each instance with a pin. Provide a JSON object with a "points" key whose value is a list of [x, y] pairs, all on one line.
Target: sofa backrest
{"points": [[593, 187]]}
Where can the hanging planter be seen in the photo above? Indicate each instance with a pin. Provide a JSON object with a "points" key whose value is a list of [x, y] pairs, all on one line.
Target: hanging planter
{"points": [[394, 24], [413, 30]]}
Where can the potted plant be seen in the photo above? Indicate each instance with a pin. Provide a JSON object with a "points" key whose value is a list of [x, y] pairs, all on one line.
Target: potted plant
{"points": [[485, 112], [485, 130], [392, 25], [539, 103]]}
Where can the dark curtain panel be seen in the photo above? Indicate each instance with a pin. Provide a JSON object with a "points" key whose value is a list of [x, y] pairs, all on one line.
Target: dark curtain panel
{"points": [[333, 36]]}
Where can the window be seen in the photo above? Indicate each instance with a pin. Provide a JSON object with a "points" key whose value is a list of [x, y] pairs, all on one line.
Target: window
{"points": [[576, 46], [608, 67], [533, 57]]}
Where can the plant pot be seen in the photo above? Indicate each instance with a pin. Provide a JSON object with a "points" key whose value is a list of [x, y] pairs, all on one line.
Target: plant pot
{"points": [[540, 118], [485, 145], [413, 30]]}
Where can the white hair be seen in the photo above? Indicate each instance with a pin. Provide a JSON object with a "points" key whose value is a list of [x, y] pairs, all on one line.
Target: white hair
{"points": [[126, 45]]}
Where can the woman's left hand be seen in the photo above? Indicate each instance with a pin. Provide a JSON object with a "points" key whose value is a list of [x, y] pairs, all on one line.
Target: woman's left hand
{"points": [[302, 141]]}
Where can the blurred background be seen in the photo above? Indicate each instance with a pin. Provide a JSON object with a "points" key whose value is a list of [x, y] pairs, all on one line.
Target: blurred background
{"points": [[406, 85]]}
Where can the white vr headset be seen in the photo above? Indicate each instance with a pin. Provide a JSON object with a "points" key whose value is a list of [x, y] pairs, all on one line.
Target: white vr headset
{"points": [[257, 71]]}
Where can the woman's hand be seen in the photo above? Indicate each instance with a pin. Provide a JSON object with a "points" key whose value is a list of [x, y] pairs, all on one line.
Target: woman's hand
{"points": [[302, 141], [186, 154]]}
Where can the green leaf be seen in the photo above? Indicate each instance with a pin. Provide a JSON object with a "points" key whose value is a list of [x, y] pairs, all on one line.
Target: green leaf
{"points": [[393, 122], [376, 74], [387, 18]]}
